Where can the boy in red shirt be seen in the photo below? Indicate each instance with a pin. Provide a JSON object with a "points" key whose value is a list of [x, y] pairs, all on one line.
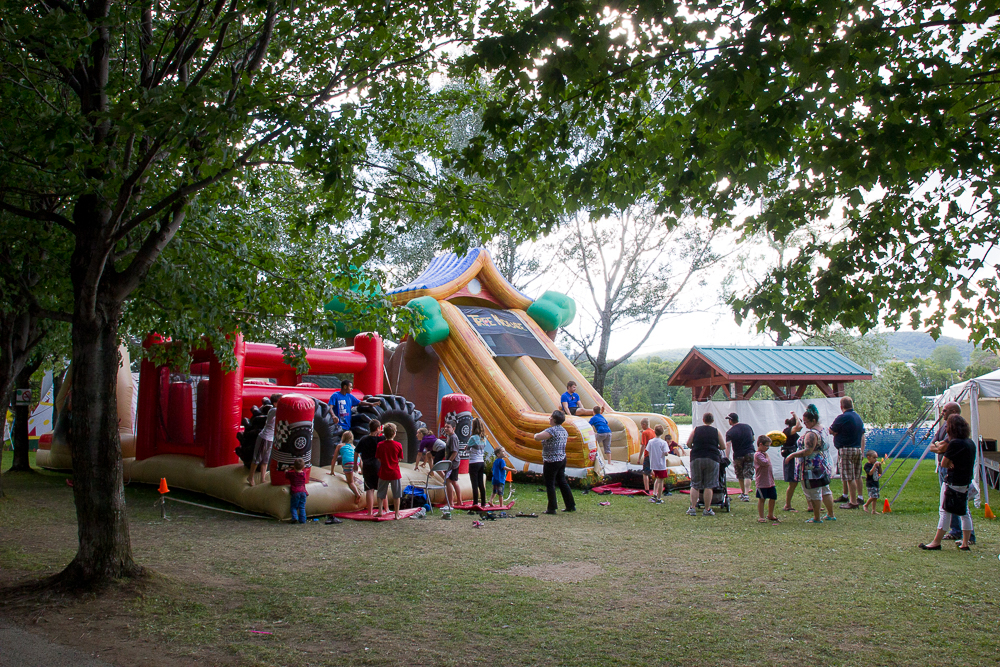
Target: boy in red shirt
{"points": [[389, 453], [297, 479]]}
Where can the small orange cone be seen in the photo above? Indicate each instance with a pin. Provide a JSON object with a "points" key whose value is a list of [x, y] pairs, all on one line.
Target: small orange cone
{"points": [[885, 507], [989, 513], [163, 485]]}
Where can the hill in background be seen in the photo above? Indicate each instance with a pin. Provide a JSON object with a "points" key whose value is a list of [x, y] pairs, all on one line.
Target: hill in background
{"points": [[907, 345], [903, 345]]}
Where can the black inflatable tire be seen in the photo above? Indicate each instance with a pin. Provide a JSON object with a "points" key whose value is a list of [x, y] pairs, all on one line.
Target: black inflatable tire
{"points": [[390, 409], [328, 430]]}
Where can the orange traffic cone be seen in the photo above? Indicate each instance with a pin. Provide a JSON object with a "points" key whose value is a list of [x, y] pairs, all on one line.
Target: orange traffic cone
{"points": [[989, 513], [163, 485], [885, 507]]}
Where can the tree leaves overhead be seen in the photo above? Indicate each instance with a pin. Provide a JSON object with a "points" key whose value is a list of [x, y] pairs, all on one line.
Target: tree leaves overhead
{"points": [[874, 122]]}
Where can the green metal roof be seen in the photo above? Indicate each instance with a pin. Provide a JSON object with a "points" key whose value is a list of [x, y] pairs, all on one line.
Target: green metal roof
{"points": [[784, 360]]}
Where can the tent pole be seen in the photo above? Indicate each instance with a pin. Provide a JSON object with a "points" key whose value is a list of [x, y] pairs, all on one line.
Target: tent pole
{"points": [[907, 480], [927, 449], [910, 432], [980, 470]]}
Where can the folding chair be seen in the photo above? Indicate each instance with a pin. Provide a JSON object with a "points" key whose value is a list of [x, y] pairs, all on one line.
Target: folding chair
{"points": [[442, 467]]}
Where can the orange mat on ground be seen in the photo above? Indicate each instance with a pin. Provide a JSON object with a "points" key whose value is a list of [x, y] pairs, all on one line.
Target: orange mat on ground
{"points": [[362, 515]]}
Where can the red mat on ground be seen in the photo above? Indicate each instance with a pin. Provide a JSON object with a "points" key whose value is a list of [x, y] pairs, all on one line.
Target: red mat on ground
{"points": [[482, 508], [362, 515], [618, 490], [732, 491]]}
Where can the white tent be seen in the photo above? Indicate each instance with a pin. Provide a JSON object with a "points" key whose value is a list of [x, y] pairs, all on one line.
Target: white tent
{"points": [[973, 395], [989, 387]]}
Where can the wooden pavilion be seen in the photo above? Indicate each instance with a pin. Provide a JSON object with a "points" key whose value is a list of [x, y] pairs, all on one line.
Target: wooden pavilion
{"points": [[787, 371]]}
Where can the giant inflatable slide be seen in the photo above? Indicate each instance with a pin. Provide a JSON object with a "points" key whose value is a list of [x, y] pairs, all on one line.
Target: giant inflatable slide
{"points": [[483, 338], [482, 347]]}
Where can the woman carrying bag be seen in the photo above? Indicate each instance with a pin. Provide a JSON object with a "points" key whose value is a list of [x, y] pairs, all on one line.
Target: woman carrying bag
{"points": [[960, 460], [815, 471]]}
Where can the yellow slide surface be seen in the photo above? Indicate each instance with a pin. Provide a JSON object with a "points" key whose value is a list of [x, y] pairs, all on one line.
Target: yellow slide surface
{"points": [[515, 395]]}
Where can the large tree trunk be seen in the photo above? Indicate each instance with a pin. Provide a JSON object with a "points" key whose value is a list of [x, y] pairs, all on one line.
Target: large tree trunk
{"points": [[22, 414], [600, 377], [105, 550]]}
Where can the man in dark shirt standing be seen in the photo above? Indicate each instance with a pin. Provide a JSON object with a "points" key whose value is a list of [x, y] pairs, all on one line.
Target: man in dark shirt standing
{"points": [[849, 439], [739, 449]]}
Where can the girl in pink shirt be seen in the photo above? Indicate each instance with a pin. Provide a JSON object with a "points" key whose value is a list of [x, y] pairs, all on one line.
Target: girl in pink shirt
{"points": [[764, 477]]}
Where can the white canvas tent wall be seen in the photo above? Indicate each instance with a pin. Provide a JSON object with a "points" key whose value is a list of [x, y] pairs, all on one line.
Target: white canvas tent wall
{"points": [[766, 416], [983, 389]]}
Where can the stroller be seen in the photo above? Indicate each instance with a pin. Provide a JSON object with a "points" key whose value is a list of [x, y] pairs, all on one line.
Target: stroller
{"points": [[720, 494]]}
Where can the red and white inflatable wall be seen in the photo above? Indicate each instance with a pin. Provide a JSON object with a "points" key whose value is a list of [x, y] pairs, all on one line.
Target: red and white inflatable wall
{"points": [[164, 417]]}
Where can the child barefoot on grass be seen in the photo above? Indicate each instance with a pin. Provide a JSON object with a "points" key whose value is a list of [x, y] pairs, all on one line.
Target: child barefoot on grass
{"points": [[873, 471], [500, 469], [765, 481]]}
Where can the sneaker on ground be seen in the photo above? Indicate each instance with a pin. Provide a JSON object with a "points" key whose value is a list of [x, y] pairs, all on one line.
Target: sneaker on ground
{"points": [[691, 511], [708, 512], [744, 497], [842, 499], [333, 519]]}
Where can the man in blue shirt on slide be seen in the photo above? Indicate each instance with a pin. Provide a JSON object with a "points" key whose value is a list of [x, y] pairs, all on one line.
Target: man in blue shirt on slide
{"points": [[571, 402], [343, 403]]}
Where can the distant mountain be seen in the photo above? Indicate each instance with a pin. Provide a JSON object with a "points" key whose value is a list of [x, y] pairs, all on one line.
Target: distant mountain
{"points": [[903, 345], [675, 354], [908, 345]]}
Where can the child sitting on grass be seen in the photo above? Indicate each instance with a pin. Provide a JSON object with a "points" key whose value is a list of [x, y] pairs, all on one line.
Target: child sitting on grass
{"points": [[873, 471], [500, 469], [765, 481], [297, 479]]}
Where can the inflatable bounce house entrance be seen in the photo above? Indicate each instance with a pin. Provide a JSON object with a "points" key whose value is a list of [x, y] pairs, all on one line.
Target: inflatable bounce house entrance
{"points": [[483, 338], [189, 426]]}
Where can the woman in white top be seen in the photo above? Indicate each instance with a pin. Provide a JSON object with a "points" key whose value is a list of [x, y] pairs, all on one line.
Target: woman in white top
{"points": [[476, 448]]}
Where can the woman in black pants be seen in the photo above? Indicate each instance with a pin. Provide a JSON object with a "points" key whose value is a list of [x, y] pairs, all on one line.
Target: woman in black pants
{"points": [[477, 467], [553, 441]]}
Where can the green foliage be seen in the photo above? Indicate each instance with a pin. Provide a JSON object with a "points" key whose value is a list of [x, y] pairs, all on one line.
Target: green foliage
{"points": [[948, 356], [933, 377], [873, 124], [879, 401], [641, 386]]}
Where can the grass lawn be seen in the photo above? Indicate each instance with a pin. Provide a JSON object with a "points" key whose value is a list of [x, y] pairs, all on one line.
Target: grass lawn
{"points": [[627, 584]]}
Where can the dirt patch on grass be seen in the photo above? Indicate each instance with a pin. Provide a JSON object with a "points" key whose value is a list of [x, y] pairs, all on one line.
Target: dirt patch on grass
{"points": [[561, 573]]}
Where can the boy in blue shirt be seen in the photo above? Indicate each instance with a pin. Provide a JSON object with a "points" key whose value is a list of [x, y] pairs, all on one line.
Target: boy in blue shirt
{"points": [[344, 402], [603, 431], [571, 402], [500, 469]]}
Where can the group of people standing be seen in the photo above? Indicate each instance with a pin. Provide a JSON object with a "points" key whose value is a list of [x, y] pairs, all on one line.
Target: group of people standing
{"points": [[805, 457]]}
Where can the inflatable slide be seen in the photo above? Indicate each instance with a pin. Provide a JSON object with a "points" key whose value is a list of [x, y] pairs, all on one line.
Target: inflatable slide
{"points": [[483, 338]]}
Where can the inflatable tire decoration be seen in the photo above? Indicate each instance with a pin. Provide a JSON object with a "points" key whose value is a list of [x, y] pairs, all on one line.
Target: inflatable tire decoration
{"points": [[391, 408], [395, 410], [328, 430]]}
